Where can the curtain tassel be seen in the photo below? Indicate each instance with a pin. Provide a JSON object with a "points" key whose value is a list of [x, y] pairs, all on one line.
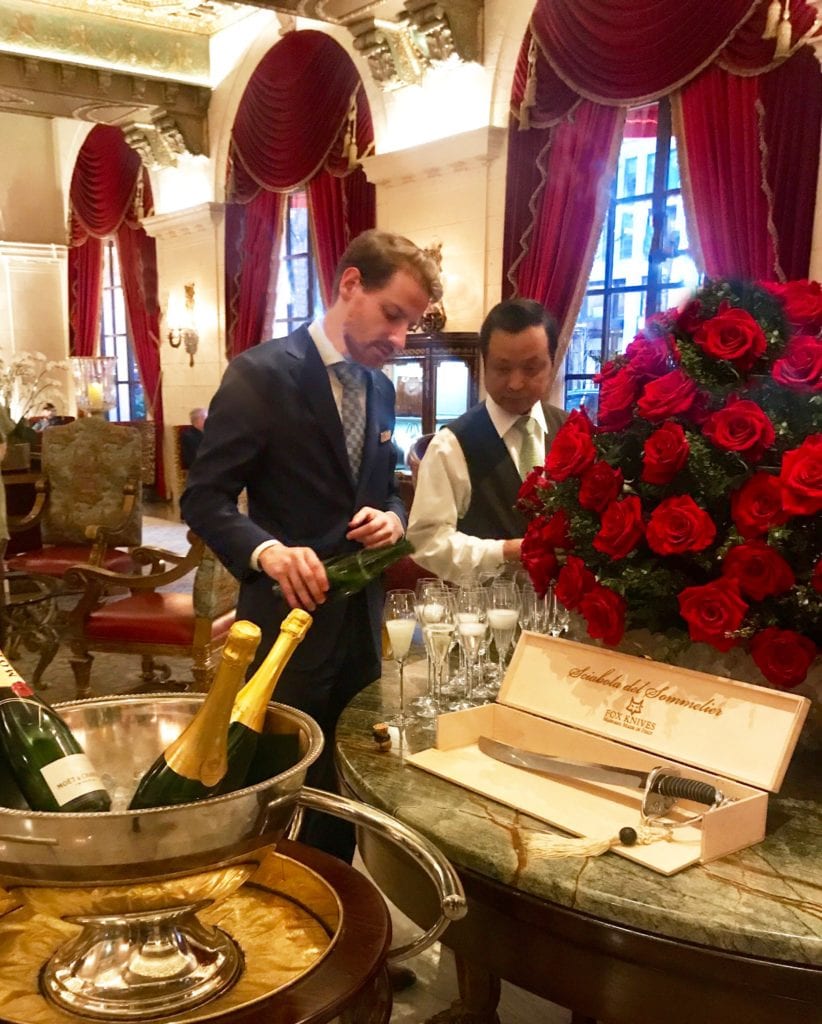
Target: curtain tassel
{"points": [[529, 95], [772, 20], [784, 33], [351, 135], [139, 211]]}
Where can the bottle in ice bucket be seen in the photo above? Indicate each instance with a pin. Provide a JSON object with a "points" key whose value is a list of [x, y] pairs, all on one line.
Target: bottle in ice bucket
{"points": [[47, 762], [282, 750], [193, 766], [348, 574]]}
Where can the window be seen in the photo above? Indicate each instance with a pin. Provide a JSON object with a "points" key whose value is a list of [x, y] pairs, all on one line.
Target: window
{"points": [[298, 288], [115, 340], [642, 264]]}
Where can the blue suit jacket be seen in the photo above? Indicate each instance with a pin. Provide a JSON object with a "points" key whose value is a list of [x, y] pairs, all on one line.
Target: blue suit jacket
{"points": [[273, 428]]}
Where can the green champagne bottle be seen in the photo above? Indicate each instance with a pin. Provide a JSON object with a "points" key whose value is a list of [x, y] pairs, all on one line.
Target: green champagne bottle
{"points": [[248, 714], [11, 795], [48, 764], [347, 574], [192, 767]]}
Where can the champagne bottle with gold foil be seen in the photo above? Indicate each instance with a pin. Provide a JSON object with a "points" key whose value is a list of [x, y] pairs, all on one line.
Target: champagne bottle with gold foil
{"points": [[193, 766], [46, 761], [248, 714]]}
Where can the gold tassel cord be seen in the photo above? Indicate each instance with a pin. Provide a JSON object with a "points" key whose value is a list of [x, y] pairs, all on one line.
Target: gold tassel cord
{"points": [[351, 135], [772, 20], [784, 33], [529, 96]]}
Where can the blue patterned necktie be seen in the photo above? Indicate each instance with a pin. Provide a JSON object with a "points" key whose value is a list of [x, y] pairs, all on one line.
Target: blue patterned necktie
{"points": [[531, 452], [352, 412]]}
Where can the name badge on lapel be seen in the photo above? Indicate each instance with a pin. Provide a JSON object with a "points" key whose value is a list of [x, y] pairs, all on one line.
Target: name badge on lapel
{"points": [[385, 435]]}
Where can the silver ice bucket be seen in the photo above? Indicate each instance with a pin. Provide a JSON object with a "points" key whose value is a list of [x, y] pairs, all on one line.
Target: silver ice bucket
{"points": [[135, 880]]}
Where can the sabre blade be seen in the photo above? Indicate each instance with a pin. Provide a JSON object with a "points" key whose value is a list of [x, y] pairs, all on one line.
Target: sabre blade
{"points": [[547, 764]]}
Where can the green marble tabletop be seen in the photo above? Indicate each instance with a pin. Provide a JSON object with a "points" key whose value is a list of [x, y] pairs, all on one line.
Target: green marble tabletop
{"points": [[765, 901]]}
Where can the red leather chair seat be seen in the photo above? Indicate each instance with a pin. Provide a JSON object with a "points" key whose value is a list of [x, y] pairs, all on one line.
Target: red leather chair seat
{"points": [[54, 560], [153, 617]]}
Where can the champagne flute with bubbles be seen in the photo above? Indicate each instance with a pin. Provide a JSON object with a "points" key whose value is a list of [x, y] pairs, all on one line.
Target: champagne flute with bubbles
{"points": [[400, 617], [439, 635], [472, 627], [503, 616], [431, 595]]}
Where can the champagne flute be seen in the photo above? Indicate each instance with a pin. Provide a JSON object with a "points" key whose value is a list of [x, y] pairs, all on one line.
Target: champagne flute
{"points": [[431, 598], [439, 637], [472, 626], [503, 616], [400, 618]]}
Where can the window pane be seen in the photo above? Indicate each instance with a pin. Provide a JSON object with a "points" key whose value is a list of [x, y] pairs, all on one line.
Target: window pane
{"points": [[120, 322], [627, 311], [627, 177], [298, 281]]}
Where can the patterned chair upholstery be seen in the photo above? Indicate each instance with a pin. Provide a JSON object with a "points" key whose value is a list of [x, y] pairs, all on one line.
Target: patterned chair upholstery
{"points": [[88, 500], [151, 621]]}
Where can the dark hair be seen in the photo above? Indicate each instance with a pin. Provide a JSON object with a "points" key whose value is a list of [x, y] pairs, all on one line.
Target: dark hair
{"points": [[378, 255], [513, 316]]}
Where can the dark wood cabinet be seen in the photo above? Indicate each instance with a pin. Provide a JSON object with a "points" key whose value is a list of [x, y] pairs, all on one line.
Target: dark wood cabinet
{"points": [[436, 378]]}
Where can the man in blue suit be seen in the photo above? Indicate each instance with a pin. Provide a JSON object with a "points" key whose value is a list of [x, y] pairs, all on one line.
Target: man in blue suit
{"points": [[275, 428]]}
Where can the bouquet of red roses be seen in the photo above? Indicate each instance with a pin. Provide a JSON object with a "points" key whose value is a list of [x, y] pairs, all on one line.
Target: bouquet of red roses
{"points": [[694, 503]]}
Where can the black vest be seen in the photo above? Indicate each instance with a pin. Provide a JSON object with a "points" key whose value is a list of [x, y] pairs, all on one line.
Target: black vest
{"points": [[494, 478]]}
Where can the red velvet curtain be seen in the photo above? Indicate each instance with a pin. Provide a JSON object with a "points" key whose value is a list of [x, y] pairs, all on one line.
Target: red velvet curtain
{"points": [[304, 121], [110, 191], [746, 139]]}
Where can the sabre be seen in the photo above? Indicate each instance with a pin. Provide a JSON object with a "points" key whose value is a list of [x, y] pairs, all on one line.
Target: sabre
{"points": [[660, 787]]}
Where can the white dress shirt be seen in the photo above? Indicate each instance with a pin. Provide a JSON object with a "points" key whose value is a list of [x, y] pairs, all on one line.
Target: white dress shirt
{"points": [[443, 495]]}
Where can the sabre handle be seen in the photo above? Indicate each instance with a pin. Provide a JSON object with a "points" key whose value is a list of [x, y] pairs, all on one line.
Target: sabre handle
{"points": [[677, 788]]}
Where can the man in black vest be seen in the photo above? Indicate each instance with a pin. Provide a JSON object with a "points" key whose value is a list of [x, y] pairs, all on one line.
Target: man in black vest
{"points": [[463, 517]]}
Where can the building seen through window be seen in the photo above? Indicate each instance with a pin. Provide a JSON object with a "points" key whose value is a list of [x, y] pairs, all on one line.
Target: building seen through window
{"points": [[297, 297], [115, 340], [643, 263]]}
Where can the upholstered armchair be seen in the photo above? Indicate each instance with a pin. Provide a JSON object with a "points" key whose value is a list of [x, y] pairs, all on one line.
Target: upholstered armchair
{"points": [[151, 620], [88, 501]]}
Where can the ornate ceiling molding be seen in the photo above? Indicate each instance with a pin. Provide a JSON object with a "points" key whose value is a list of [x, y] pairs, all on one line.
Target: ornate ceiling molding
{"points": [[165, 117]]}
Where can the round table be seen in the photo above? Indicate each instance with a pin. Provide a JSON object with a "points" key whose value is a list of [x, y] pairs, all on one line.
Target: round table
{"points": [[736, 939], [30, 617]]}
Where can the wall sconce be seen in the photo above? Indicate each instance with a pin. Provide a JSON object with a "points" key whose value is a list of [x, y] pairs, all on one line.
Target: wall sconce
{"points": [[183, 324]]}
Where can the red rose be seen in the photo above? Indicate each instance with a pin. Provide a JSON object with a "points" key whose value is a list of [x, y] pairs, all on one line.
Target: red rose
{"points": [[757, 505], [740, 426], [573, 582], [802, 302], [731, 334], [537, 558], [671, 395], [528, 496], [783, 656], [816, 578], [621, 527], [554, 531], [678, 525], [758, 569], [800, 367], [600, 485], [664, 454], [801, 478], [690, 318], [714, 612], [604, 611], [649, 357], [572, 450], [617, 393]]}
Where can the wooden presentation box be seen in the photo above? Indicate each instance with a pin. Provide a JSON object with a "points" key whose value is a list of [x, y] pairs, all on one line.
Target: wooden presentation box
{"points": [[589, 703]]}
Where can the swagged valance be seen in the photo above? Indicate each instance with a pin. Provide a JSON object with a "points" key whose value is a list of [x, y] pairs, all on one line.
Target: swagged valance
{"points": [[303, 122], [748, 146]]}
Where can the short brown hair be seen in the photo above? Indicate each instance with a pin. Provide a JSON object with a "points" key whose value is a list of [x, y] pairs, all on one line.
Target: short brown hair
{"points": [[378, 255]]}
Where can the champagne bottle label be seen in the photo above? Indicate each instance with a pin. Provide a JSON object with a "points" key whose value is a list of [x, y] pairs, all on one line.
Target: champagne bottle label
{"points": [[71, 777]]}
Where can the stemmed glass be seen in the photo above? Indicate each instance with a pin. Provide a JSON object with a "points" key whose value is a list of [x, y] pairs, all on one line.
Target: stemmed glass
{"points": [[431, 596], [400, 620], [472, 627], [438, 630], [557, 616], [503, 616]]}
